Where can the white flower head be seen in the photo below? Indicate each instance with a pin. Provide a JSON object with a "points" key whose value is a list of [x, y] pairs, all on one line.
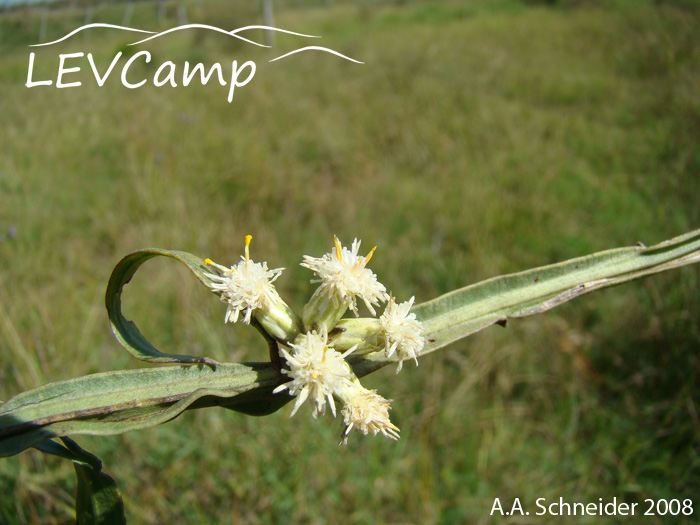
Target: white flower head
{"points": [[344, 276], [246, 286], [367, 412], [317, 372], [402, 332]]}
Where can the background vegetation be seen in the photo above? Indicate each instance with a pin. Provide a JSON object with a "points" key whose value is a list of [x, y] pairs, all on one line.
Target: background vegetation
{"points": [[478, 138]]}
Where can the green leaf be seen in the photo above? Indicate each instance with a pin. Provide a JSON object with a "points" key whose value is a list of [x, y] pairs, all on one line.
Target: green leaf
{"points": [[468, 310], [126, 332], [120, 401], [69, 450], [97, 499]]}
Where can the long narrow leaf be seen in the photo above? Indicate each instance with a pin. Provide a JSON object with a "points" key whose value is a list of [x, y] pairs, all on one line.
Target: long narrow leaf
{"points": [[463, 312], [468, 310], [97, 498], [126, 332], [117, 402]]}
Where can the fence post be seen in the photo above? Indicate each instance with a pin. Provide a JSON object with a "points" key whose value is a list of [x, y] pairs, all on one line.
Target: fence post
{"points": [[269, 20], [88, 14], [42, 24], [126, 19], [161, 11], [181, 15]]}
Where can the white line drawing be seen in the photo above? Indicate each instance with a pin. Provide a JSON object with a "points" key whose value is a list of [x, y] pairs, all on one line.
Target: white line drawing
{"points": [[233, 33], [318, 48], [90, 26]]}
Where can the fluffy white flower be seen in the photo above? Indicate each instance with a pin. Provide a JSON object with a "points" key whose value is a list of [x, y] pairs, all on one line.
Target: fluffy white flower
{"points": [[246, 286], [344, 277], [367, 412], [402, 332], [317, 372]]}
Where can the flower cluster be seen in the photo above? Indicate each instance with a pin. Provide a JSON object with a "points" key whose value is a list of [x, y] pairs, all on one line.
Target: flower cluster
{"points": [[246, 286], [367, 412], [402, 332], [316, 366], [344, 277], [317, 372]]}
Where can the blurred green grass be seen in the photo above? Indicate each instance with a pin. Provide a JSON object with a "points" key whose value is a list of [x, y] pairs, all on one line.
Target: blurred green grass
{"points": [[479, 138]]}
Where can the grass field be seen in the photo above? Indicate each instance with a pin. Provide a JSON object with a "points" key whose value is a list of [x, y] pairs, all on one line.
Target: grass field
{"points": [[478, 138]]}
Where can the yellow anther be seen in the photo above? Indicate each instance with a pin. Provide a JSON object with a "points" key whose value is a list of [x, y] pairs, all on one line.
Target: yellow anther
{"points": [[338, 249], [369, 255], [323, 359], [248, 238], [218, 266]]}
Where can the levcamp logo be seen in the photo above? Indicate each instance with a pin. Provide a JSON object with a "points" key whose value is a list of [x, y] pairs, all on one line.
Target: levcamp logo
{"points": [[167, 73]]}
